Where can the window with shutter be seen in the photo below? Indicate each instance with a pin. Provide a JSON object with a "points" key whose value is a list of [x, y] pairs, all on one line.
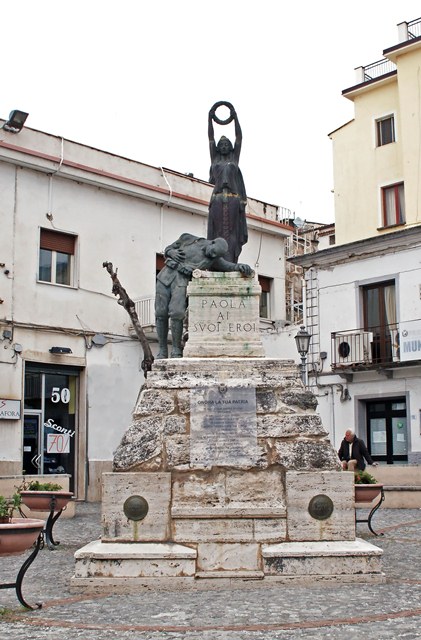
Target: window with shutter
{"points": [[266, 285], [56, 257]]}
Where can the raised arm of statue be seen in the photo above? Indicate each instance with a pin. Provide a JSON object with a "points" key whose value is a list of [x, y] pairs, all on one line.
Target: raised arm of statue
{"points": [[211, 135], [238, 136]]}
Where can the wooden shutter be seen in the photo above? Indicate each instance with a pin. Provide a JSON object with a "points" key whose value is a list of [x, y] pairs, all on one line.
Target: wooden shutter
{"points": [[265, 283], [56, 241]]}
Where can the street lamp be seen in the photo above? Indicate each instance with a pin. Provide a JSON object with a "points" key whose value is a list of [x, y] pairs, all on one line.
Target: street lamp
{"points": [[302, 340]]}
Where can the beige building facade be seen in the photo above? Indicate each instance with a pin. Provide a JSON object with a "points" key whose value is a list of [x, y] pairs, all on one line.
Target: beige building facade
{"points": [[376, 156]]}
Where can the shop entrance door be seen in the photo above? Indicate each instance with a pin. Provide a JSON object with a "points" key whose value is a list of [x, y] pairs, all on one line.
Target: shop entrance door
{"points": [[32, 449], [387, 430], [50, 423]]}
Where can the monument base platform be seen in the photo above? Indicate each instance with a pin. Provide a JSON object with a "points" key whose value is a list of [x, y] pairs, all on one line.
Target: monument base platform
{"points": [[128, 567], [226, 476]]}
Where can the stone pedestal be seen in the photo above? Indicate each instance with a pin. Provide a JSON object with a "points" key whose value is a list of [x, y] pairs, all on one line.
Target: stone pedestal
{"points": [[284, 513], [223, 315]]}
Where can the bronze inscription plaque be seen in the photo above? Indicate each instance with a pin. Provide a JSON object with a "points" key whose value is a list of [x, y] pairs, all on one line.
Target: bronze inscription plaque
{"points": [[223, 426]]}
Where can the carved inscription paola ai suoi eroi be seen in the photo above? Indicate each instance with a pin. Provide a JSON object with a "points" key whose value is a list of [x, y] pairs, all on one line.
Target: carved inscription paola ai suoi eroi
{"points": [[223, 315]]}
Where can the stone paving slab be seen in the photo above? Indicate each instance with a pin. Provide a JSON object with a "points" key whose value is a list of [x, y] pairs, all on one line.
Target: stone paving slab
{"points": [[372, 612]]}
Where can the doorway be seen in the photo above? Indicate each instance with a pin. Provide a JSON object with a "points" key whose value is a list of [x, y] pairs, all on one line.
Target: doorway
{"points": [[51, 421], [387, 434]]}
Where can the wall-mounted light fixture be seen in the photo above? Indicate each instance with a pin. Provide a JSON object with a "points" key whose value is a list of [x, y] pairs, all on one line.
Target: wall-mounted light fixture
{"points": [[16, 121], [59, 350]]}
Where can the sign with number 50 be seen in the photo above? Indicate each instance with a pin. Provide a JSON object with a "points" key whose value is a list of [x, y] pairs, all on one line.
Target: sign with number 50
{"points": [[58, 394]]}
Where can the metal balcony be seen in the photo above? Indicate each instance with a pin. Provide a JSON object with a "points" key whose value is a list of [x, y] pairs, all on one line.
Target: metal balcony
{"points": [[365, 349], [384, 346]]}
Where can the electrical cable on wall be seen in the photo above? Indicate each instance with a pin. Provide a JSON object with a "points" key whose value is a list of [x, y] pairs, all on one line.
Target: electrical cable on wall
{"points": [[49, 213], [256, 264], [167, 204], [168, 185]]}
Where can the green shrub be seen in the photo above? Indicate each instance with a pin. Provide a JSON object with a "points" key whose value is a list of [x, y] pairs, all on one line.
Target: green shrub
{"points": [[9, 505], [363, 477], [35, 485]]}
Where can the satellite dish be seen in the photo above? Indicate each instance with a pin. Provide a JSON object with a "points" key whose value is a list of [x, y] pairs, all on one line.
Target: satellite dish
{"points": [[299, 222]]}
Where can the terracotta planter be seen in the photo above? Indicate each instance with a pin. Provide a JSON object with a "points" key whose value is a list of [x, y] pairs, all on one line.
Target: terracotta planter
{"points": [[367, 492], [46, 500], [18, 535]]}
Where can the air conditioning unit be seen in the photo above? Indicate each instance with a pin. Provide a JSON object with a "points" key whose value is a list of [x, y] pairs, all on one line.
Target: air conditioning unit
{"points": [[353, 348]]}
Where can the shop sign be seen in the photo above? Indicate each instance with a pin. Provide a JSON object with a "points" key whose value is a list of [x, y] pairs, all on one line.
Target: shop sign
{"points": [[9, 409], [410, 340], [58, 443]]}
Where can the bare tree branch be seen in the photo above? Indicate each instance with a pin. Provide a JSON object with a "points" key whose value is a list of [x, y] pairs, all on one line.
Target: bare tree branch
{"points": [[128, 304]]}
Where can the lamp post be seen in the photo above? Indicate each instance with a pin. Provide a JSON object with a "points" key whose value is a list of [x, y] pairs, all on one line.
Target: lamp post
{"points": [[302, 340]]}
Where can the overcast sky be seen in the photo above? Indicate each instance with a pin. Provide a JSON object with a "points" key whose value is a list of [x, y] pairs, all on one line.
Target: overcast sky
{"points": [[137, 78]]}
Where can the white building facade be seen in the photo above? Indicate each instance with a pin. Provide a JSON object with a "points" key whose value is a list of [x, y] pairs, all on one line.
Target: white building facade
{"points": [[364, 364], [70, 364]]}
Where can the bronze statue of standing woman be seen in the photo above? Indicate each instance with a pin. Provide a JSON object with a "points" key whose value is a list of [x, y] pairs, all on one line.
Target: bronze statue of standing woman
{"points": [[227, 207]]}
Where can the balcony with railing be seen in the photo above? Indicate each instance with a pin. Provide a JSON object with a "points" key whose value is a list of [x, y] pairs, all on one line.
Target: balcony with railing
{"points": [[390, 345], [145, 309], [407, 31], [374, 71]]}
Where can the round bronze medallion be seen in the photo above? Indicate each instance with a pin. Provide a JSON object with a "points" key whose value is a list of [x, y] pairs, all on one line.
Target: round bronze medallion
{"points": [[135, 508], [320, 507]]}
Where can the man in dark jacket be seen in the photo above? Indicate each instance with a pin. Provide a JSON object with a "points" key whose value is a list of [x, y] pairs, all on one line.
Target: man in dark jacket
{"points": [[352, 453]]}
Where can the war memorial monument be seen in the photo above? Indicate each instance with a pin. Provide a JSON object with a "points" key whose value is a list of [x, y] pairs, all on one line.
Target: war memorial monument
{"points": [[226, 473]]}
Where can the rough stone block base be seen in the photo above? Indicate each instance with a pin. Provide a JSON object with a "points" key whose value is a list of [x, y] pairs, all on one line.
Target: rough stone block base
{"points": [[127, 567], [320, 560], [126, 561]]}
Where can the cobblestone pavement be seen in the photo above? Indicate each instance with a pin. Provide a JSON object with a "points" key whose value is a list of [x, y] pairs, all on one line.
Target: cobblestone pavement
{"points": [[372, 612]]}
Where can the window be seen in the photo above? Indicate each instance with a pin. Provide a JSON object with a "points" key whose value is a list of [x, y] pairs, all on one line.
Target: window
{"points": [[385, 131], [393, 205], [160, 262], [380, 318], [266, 284], [56, 257]]}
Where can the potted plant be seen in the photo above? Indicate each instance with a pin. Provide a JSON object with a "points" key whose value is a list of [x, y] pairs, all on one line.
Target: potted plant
{"points": [[8, 506], [44, 496], [366, 486], [16, 534]]}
